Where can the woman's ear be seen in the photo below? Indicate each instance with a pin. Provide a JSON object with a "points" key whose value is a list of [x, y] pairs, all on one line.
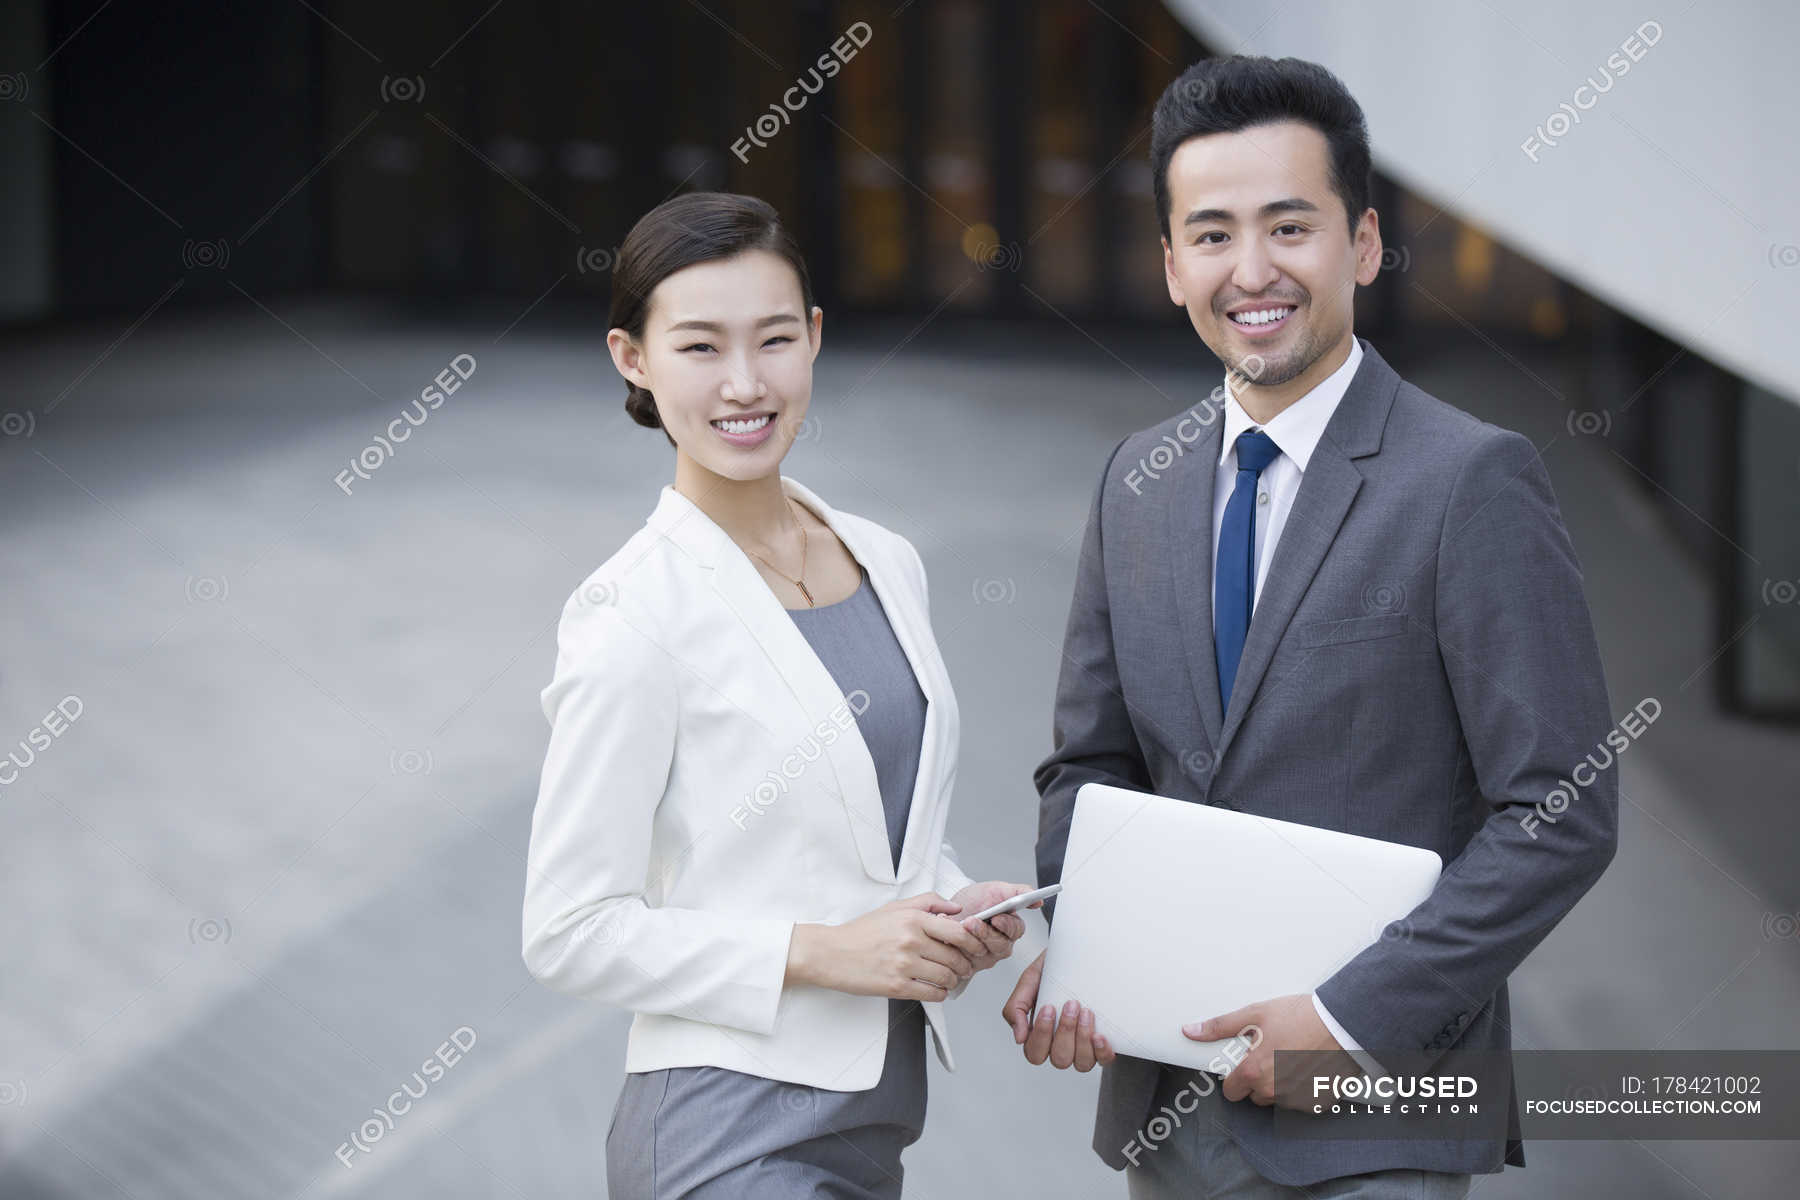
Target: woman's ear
{"points": [[814, 329], [628, 357]]}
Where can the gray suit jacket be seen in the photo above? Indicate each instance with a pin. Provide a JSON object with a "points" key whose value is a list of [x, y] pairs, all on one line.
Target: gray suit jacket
{"points": [[1420, 668]]}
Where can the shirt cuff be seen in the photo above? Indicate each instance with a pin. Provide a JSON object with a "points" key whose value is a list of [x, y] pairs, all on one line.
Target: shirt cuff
{"points": [[1363, 1058]]}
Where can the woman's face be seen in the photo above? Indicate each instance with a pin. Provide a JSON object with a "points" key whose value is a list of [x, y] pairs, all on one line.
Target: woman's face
{"points": [[727, 351]]}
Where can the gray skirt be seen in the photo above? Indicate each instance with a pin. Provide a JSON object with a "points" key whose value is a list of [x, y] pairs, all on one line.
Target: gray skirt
{"points": [[717, 1134]]}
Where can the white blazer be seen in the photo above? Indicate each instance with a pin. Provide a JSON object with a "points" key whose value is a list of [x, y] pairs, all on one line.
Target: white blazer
{"points": [[705, 788]]}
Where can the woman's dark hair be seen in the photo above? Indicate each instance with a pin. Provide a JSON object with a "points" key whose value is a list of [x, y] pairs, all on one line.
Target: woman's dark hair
{"points": [[1226, 95], [694, 227]]}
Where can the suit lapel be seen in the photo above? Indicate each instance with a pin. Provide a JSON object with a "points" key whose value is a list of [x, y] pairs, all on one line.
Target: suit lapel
{"points": [[1327, 488], [1190, 534]]}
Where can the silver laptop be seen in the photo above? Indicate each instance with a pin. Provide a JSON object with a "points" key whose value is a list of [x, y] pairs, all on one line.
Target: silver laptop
{"points": [[1172, 912]]}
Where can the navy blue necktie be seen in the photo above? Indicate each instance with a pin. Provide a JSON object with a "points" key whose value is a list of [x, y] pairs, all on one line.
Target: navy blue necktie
{"points": [[1234, 583]]}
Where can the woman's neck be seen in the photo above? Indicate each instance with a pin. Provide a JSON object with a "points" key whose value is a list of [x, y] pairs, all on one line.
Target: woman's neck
{"points": [[753, 512]]}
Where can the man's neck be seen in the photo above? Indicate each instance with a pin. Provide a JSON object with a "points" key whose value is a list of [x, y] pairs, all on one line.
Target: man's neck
{"points": [[1264, 404]]}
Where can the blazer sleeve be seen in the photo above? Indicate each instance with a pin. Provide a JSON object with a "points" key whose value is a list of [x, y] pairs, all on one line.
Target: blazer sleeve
{"points": [[614, 712], [1518, 648], [1093, 738], [949, 878]]}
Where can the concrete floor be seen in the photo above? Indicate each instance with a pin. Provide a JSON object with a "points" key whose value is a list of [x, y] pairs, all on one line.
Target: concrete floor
{"points": [[278, 858]]}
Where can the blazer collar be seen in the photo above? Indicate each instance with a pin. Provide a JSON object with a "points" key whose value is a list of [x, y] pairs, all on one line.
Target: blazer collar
{"points": [[1327, 487], [1326, 491], [736, 580]]}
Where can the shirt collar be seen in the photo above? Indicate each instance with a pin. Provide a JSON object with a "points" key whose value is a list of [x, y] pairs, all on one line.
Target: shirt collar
{"points": [[1296, 429]]}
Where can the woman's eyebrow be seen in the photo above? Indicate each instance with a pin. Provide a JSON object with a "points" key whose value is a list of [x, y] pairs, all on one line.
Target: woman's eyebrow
{"points": [[715, 327]]}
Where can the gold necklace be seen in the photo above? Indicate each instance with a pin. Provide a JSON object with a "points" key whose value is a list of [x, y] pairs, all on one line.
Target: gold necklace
{"points": [[801, 581]]}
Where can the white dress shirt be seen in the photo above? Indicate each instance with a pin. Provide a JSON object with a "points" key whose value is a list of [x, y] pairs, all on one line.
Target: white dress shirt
{"points": [[1295, 430]]}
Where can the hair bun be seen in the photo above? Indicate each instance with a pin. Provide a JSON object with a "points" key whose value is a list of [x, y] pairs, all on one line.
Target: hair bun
{"points": [[640, 406]]}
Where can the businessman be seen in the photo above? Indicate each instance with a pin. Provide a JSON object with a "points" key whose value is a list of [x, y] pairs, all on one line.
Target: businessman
{"points": [[1321, 595]]}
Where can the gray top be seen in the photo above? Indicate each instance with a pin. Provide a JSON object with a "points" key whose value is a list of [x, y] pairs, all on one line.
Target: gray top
{"points": [[857, 645], [709, 1132]]}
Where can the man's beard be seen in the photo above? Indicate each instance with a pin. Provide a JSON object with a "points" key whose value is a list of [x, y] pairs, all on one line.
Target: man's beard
{"points": [[1263, 370]]}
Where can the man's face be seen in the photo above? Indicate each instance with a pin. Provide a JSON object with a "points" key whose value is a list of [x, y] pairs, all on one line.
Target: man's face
{"points": [[1256, 228]]}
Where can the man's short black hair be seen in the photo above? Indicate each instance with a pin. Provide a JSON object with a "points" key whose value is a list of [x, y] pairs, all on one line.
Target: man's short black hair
{"points": [[1226, 95]]}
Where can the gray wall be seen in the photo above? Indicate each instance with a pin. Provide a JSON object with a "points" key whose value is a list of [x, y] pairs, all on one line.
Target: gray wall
{"points": [[1671, 200]]}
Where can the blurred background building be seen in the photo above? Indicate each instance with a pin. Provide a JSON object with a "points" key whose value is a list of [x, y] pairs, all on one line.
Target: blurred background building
{"points": [[411, 154]]}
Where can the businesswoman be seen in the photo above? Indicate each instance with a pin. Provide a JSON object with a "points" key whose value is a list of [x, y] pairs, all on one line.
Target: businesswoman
{"points": [[739, 826]]}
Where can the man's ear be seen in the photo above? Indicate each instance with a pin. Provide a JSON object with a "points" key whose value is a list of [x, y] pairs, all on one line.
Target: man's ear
{"points": [[1176, 292], [1368, 248], [627, 356]]}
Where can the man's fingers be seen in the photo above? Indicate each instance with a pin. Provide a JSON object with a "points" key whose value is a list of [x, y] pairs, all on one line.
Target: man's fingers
{"points": [[1016, 1012], [1062, 1046], [1017, 1009], [1037, 1042], [1084, 1041], [1217, 1028], [1103, 1051]]}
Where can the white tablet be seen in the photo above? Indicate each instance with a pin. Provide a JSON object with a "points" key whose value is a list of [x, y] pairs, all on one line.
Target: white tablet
{"points": [[1173, 912]]}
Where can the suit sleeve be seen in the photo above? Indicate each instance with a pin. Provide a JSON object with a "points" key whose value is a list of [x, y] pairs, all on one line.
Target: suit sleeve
{"points": [[614, 710], [1351, 1045], [1518, 648], [1092, 735]]}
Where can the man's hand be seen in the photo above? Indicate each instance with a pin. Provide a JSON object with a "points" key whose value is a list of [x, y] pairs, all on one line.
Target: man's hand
{"points": [[997, 935], [1068, 1042], [1284, 1023]]}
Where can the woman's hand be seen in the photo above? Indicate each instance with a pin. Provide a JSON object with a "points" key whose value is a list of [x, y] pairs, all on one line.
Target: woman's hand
{"points": [[908, 949], [998, 934]]}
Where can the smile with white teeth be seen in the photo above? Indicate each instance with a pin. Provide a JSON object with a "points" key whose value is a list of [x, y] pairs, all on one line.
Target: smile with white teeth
{"points": [[1261, 316], [749, 426]]}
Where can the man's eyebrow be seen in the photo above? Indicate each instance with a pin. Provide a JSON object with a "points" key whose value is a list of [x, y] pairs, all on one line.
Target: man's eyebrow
{"points": [[1274, 207], [715, 327]]}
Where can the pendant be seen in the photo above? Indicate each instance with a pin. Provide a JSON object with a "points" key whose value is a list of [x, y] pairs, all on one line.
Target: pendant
{"points": [[804, 592]]}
